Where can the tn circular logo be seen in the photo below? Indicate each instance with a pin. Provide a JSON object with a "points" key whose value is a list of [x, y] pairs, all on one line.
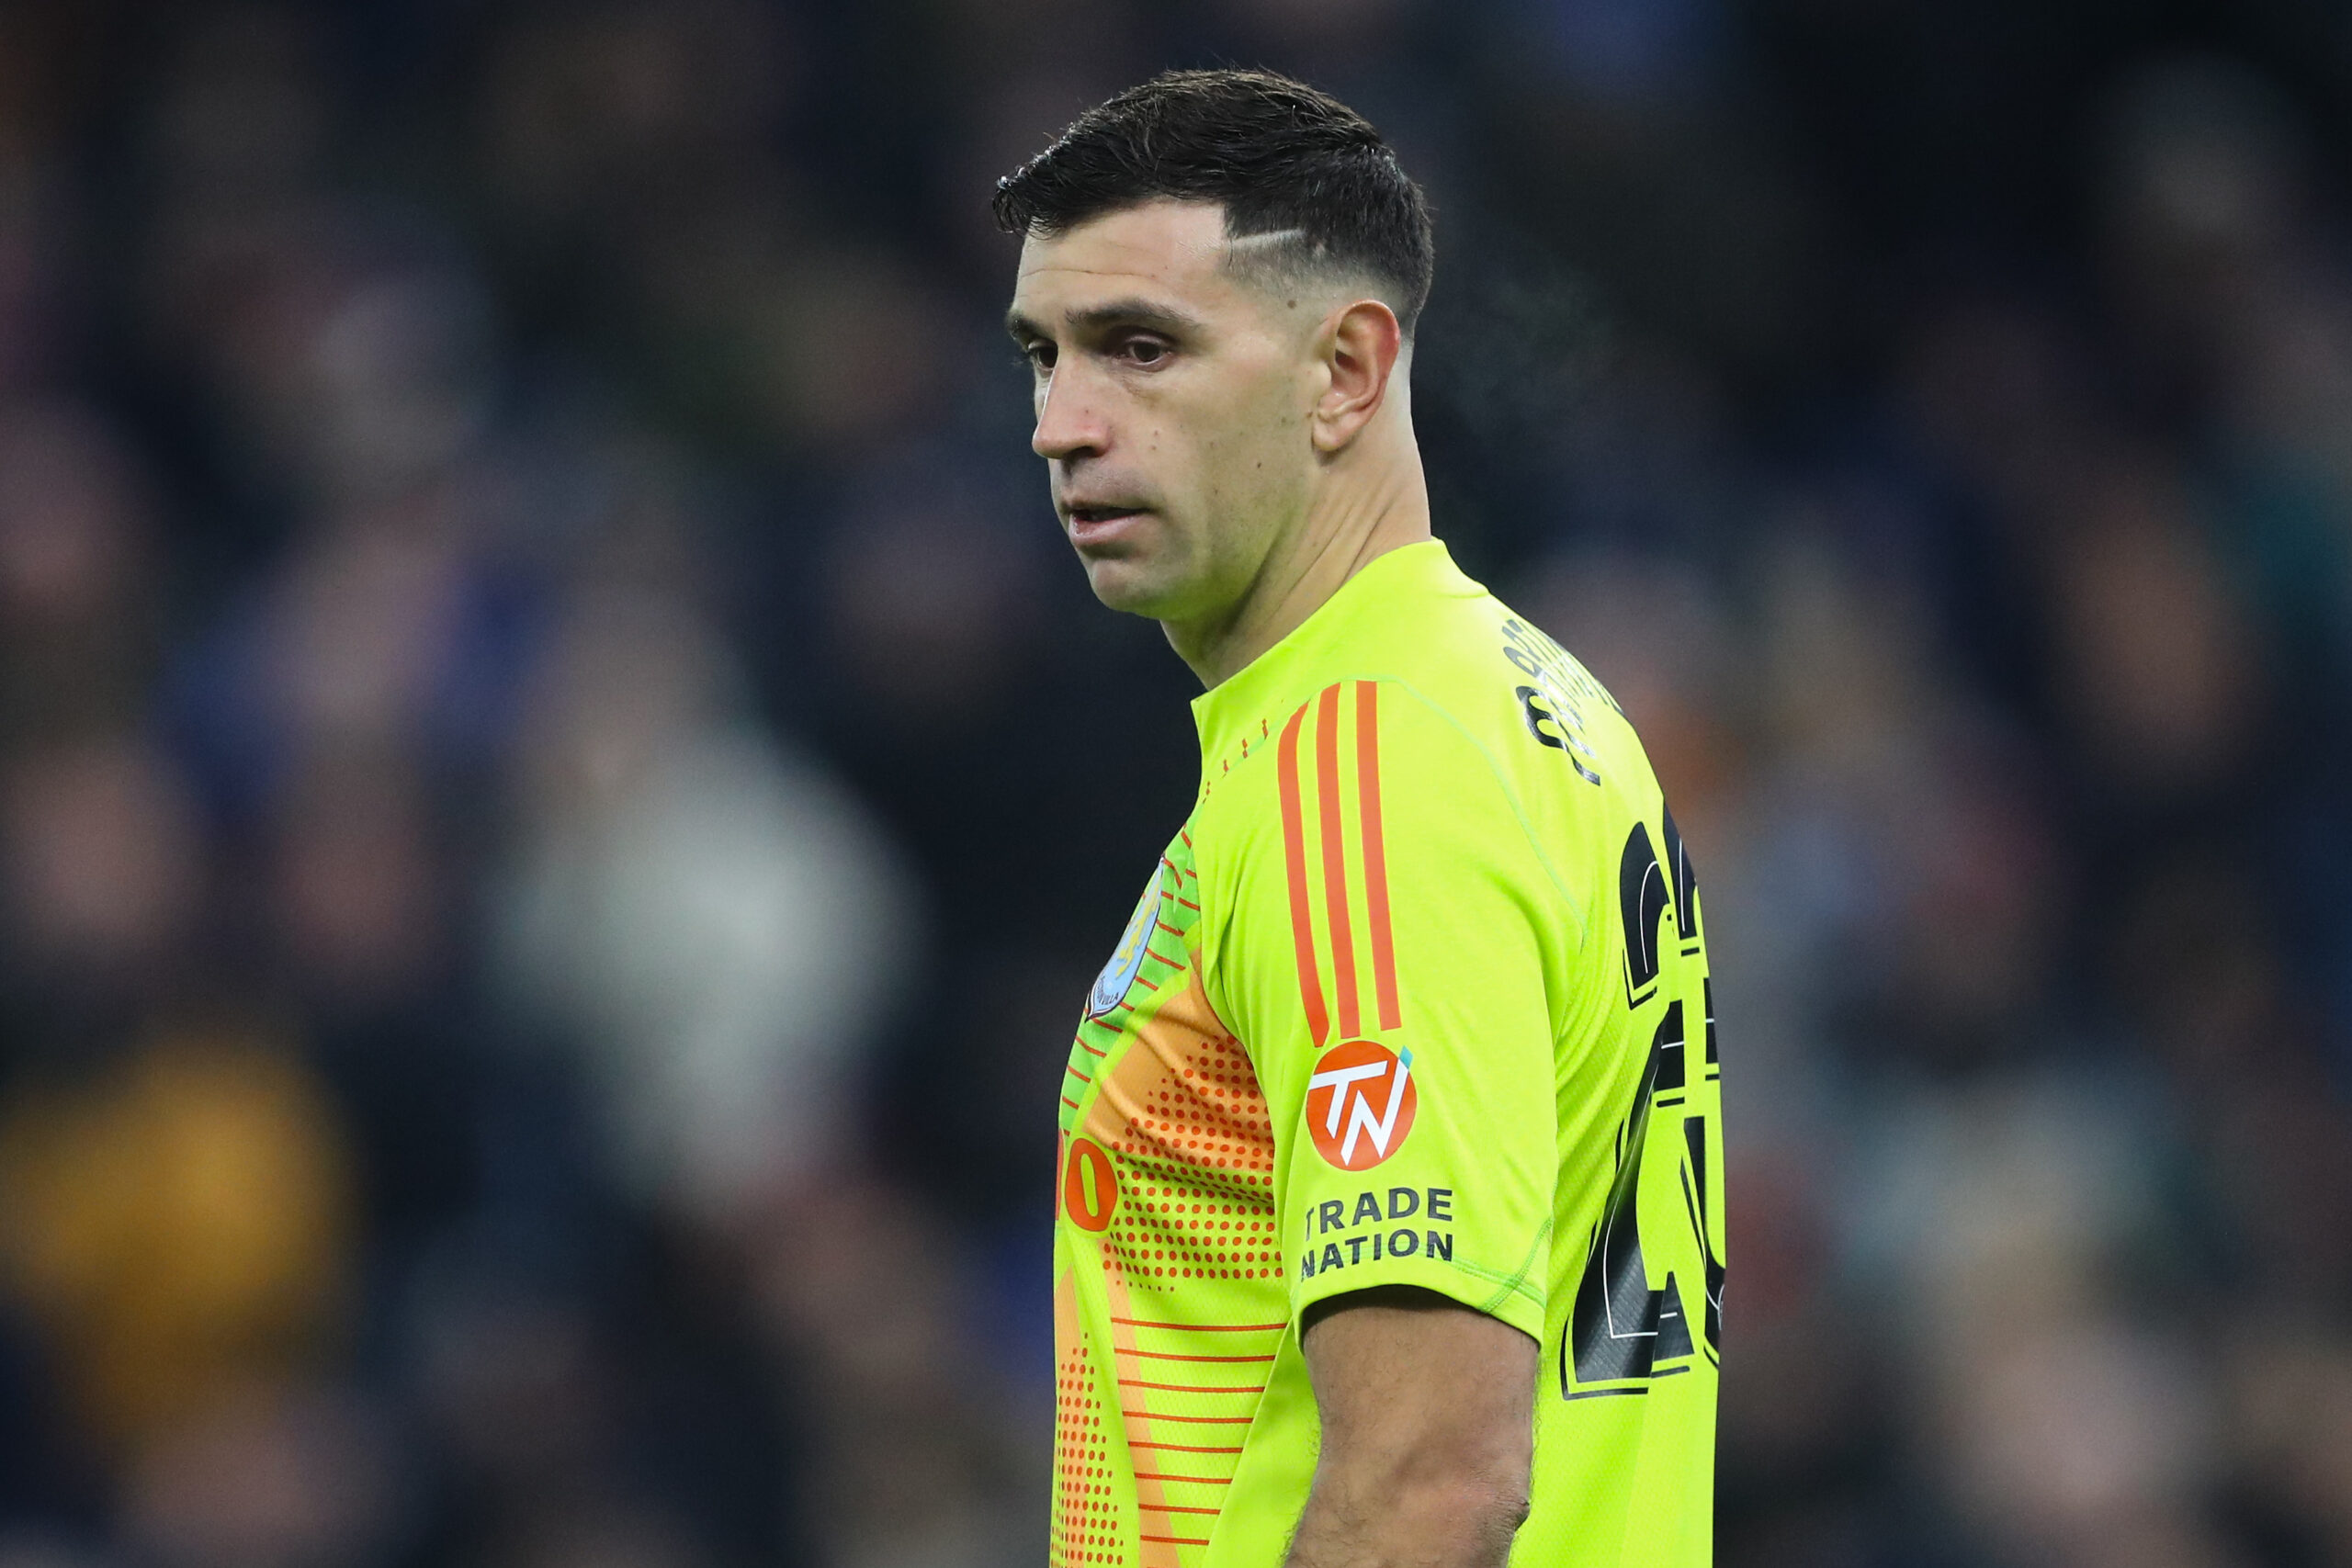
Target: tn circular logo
{"points": [[1360, 1103]]}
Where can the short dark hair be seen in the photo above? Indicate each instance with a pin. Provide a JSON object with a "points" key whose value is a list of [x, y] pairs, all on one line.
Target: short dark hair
{"points": [[1281, 157]]}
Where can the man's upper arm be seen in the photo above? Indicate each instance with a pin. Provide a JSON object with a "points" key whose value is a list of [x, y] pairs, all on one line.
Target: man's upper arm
{"points": [[1387, 967], [1403, 1369], [1428, 1431]]}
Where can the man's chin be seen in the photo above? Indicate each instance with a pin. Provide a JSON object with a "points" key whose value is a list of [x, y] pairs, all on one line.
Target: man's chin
{"points": [[1130, 591], [1130, 587]]}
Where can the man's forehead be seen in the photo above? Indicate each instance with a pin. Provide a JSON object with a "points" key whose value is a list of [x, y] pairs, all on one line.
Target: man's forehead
{"points": [[1175, 248]]}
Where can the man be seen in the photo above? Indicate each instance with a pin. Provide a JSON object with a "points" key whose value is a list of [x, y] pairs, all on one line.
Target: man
{"points": [[1391, 1178]]}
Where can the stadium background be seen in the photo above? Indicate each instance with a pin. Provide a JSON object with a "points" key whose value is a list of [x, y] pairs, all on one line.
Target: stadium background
{"points": [[559, 793]]}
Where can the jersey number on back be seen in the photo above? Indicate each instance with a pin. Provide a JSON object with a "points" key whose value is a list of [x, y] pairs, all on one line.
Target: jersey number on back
{"points": [[1619, 1328]]}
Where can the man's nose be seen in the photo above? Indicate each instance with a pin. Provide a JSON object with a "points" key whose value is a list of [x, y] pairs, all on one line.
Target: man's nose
{"points": [[1070, 422]]}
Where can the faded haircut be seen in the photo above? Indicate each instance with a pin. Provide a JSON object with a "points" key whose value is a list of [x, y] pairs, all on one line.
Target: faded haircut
{"points": [[1309, 189]]}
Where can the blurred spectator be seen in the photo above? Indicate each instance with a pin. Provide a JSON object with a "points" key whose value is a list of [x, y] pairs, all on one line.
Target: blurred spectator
{"points": [[76, 574], [179, 1224], [107, 874], [713, 917], [272, 1479]]}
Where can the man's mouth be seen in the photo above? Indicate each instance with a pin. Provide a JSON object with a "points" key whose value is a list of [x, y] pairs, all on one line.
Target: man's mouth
{"points": [[1104, 526]]}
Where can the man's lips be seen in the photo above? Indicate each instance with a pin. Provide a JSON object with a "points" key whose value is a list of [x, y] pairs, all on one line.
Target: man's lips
{"points": [[1094, 523]]}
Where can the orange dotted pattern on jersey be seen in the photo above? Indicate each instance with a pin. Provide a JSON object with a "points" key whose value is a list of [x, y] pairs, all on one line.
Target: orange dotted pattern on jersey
{"points": [[1086, 1508], [1194, 1307], [1203, 1160], [1212, 1115]]}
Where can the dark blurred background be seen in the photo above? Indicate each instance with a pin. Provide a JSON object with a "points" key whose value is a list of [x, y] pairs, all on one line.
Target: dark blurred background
{"points": [[559, 794]]}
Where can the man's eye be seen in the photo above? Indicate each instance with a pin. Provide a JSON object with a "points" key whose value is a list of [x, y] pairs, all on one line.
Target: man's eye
{"points": [[1040, 356], [1145, 351]]}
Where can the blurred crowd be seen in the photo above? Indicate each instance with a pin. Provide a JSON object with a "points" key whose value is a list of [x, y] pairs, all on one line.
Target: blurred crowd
{"points": [[558, 795]]}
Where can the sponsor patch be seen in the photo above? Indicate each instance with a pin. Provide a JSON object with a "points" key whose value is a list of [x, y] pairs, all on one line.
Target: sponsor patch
{"points": [[1360, 1103]]}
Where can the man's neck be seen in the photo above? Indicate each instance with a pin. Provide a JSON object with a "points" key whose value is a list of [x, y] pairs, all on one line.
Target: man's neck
{"points": [[1346, 528]]}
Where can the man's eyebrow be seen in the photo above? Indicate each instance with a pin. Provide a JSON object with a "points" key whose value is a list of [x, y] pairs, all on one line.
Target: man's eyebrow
{"points": [[1133, 311], [1136, 311]]}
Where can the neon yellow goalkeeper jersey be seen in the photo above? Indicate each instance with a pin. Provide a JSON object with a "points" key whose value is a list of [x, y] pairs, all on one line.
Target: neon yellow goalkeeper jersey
{"points": [[1417, 997]]}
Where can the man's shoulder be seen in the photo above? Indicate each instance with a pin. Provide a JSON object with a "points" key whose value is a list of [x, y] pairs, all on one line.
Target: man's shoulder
{"points": [[1470, 686], [1500, 744], [1434, 704], [1387, 768]]}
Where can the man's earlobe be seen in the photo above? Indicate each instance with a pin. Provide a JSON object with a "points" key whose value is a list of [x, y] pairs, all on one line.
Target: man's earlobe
{"points": [[1365, 344]]}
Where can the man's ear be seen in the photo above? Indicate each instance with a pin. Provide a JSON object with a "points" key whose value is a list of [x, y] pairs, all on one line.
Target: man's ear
{"points": [[1361, 344]]}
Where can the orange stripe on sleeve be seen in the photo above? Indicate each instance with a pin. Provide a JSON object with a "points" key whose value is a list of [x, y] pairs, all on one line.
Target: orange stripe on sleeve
{"points": [[1302, 926], [1334, 867], [1375, 853]]}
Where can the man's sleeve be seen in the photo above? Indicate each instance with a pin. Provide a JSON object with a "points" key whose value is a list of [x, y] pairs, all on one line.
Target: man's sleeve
{"points": [[1386, 965]]}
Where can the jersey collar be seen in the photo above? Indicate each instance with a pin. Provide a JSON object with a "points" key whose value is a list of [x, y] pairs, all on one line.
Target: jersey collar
{"points": [[1342, 638]]}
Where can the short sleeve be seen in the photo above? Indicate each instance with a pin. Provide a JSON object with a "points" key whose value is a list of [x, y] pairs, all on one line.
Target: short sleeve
{"points": [[1385, 965]]}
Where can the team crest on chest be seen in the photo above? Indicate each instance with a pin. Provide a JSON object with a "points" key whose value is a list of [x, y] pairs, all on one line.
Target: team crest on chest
{"points": [[1118, 976]]}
